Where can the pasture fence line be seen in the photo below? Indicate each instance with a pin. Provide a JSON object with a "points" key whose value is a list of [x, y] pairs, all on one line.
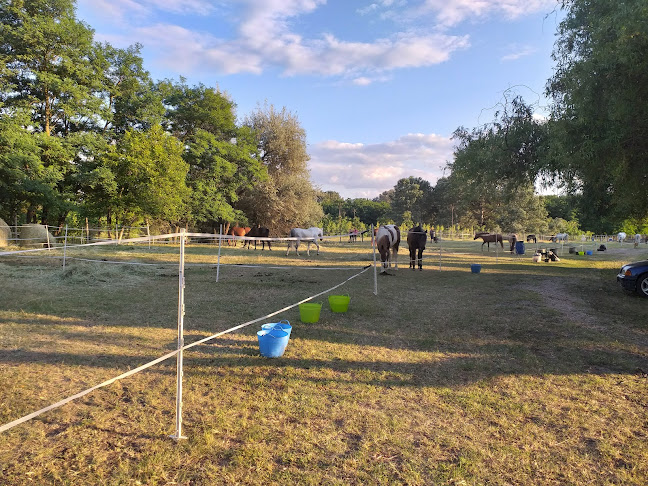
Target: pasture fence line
{"points": [[178, 352], [167, 237], [84, 234]]}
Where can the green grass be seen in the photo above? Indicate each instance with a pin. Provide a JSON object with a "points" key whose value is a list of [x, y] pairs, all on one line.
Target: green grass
{"points": [[527, 373]]}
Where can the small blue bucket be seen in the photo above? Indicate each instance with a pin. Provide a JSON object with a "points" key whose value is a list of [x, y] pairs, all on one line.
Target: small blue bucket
{"points": [[281, 325], [475, 267], [519, 247], [272, 342]]}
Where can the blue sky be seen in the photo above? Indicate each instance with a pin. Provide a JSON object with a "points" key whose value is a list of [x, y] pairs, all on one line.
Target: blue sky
{"points": [[378, 85]]}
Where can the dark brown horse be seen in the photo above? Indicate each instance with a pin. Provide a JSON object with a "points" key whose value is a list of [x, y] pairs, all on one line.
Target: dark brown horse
{"points": [[416, 239], [258, 232], [490, 238]]}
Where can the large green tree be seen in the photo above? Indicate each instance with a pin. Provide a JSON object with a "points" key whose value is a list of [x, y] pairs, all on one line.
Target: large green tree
{"points": [[492, 163], [147, 178], [412, 195], [222, 158], [131, 99], [287, 199], [50, 65], [600, 107]]}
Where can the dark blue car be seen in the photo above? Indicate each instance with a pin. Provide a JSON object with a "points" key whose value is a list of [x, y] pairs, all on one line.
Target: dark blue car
{"points": [[634, 277]]}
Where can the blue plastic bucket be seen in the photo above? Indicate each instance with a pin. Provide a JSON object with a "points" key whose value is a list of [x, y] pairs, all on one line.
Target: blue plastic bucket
{"points": [[475, 267], [519, 247], [588, 252], [272, 342], [281, 325]]}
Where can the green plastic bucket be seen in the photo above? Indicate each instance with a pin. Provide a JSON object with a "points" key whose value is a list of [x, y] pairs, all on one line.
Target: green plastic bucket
{"points": [[339, 303], [309, 311]]}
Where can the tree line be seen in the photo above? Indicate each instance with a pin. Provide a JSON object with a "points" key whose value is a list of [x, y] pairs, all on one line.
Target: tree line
{"points": [[86, 133], [593, 145]]}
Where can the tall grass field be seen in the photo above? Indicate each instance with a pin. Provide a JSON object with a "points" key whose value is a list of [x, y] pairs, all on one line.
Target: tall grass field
{"points": [[523, 374]]}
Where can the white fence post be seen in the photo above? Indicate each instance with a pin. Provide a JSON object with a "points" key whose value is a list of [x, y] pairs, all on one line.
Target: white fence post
{"points": [[220, 239], [373, 246], [65, 245], [181, 285]]}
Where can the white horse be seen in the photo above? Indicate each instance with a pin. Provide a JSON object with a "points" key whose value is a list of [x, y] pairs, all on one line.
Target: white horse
{"points": [[621, 237], [388, 238], [560, 237], [309, 235]]}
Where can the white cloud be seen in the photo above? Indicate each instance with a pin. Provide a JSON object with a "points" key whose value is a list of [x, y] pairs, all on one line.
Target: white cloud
{"points": [[265, 40], [451, 12], [359, 170], [187, 50], [121, 10], [518, 52]]}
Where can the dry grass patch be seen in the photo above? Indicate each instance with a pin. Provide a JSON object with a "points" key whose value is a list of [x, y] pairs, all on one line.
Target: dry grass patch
{"points": [[523, 374]]}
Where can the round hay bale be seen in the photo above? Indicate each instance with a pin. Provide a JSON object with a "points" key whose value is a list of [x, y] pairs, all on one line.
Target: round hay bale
{"points": [[35, 235], [5, 233]]}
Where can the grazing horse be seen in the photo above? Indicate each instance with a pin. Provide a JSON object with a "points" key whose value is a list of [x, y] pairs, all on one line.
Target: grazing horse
{"points": [[388, 238], [416, 238], [258, 232], [531, 238], [559, 237], [621, 237], [236, 231], [513, 240], [309, 235], [489, 238]]}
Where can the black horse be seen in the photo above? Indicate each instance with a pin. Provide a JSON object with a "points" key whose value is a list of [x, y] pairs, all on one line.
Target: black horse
{"points": [[416, 238], [258, 232]]}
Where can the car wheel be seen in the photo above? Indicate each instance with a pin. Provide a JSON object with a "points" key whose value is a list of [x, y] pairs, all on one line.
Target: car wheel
{"points": [[642, 286]]}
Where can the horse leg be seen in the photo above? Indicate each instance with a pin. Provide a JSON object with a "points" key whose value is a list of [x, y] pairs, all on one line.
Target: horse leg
{"points": [[420, 258]]}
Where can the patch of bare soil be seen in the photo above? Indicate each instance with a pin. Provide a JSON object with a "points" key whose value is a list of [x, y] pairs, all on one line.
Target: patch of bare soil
{"points": [[558, 295]]}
